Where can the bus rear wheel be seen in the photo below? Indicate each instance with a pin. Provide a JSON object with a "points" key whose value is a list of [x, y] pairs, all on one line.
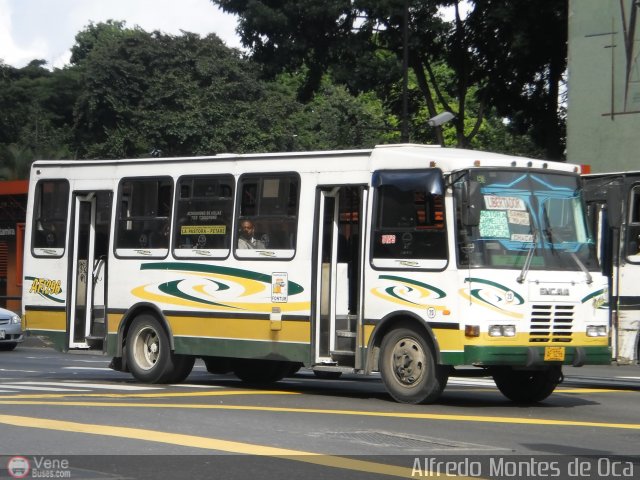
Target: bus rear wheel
{"points": [[408, 367], [149, 355], [217, 365], [261, 372], [527, 386]]}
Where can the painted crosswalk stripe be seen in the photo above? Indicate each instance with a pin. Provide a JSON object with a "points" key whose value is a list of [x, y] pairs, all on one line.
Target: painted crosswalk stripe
{"points": [[97, 386], [486, 382], [106, 369], [42, 389]]}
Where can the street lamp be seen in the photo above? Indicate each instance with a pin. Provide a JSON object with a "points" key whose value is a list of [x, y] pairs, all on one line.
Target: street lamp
{"points": [[441, 118]]}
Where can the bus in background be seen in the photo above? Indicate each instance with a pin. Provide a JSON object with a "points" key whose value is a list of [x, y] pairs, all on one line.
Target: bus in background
{"points": [[613, 206], [413, 261]]}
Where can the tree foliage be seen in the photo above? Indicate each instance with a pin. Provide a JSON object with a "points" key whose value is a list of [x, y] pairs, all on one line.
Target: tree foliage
{"points": [[128, 93], [319, 74], [356, 40]]}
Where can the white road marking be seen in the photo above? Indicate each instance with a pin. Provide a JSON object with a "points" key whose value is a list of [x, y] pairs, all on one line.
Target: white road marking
{"points": [[42, 389], [97, 386], [88, 368]]}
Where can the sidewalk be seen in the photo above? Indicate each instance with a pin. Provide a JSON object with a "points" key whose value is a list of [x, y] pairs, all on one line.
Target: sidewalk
{"points": [[603, 376]]}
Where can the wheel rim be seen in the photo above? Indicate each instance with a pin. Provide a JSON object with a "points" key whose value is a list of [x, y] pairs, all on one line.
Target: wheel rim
{"points": [[408, 361], [146, 348]]}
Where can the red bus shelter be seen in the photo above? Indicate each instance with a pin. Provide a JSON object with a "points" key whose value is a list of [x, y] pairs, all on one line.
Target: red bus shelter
{"points": [[13, 208]]}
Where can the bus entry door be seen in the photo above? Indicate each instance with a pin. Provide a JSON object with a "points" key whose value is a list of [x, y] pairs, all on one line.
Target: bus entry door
{"points": [[338, 309], [90, 240]]}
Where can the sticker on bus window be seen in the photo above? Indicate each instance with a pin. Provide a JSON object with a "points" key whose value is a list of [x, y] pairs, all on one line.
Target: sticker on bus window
{"points": [[494, 202], [203, 230], [388, 239], [279, 287], [494, 224], [519, 218], [520, 237]]}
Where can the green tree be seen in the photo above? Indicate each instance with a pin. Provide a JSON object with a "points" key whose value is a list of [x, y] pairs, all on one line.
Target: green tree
{"points": [[187, 95], [525, 65], [361, 42], [353, 39], [36, 111]]}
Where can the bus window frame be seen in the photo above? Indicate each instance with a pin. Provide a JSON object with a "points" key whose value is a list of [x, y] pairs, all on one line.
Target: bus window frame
{"points": [[266, 253], [399, 263], [38, 252], [142, 252], [203, 253], [633, 224]]}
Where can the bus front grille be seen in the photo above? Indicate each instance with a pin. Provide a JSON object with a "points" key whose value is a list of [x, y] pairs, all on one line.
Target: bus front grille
{"points": [[551, 323]]}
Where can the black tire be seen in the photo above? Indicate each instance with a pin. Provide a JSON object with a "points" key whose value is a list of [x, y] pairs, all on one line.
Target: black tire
{"points": [[294, 367], [408, 367], [327, 375], [260, 372], [149, 355], [527, 386], [218, 365], [7, 347]]}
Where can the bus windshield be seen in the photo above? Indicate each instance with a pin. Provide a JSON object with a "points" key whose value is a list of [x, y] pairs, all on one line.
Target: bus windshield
{"points": [[535, 217]]}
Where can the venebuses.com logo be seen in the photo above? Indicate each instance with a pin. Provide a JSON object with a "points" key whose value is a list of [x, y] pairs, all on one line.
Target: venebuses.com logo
{"points": [[38, 467], [18, 467]]}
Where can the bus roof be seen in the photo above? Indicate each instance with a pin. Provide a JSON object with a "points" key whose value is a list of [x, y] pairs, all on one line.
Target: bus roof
{"points": [[380, 157]]}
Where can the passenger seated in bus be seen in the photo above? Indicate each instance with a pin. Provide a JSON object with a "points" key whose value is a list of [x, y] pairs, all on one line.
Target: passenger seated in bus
{"points": [[247, 238]]}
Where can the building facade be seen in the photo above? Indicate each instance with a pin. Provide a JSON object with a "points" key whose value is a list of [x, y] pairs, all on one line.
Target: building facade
{"points": [[604, 84]]}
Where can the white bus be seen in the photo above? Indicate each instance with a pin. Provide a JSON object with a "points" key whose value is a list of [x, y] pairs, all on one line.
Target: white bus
{"points": [[413, 261], [613, 206]]}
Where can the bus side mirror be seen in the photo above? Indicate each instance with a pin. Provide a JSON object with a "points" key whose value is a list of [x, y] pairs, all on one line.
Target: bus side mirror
{"points": [[614, 206], [471, 204]]}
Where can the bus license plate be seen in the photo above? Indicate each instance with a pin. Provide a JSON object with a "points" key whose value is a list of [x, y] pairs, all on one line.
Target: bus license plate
{"points": [[553, 354]]}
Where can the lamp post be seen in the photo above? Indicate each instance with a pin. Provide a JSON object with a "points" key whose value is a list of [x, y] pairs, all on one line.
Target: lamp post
{"points": [[405, 72]]}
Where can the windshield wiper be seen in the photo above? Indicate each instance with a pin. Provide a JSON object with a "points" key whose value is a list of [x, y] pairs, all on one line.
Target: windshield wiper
{"points": [[582, 267], [527, 261]]}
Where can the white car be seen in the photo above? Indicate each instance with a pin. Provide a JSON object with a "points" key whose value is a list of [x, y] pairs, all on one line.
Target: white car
{"points": [[10, 329]]}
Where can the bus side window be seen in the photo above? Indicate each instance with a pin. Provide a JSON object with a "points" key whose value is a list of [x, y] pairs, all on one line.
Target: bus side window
{"points": [[50, 217], [270, 202], [144, 214], [633, 229], [204, 210], [408, 222]]}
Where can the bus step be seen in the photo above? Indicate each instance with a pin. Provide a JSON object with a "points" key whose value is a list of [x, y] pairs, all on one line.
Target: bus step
{"points": [[345, 333], [343, 353], [346, 343], [94, 342]]}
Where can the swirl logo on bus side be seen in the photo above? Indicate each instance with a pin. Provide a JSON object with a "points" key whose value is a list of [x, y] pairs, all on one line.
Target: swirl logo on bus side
{"points": [[47, 288], [600, 299], [408, 292], [216, 288], [492, 295]]}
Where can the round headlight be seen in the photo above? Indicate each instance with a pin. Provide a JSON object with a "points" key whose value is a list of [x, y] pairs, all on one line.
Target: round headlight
{"points": [[15, 319]]}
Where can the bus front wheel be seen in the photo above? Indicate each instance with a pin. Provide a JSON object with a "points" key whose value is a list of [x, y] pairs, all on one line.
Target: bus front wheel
{"points": [[149, 355], [527, 386], [408, 367]]}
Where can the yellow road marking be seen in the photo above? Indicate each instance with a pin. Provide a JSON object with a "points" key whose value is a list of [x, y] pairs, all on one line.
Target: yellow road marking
{"points": [[594, 390], [415, 416], [211, 444], [216, 393], [457, 388]]}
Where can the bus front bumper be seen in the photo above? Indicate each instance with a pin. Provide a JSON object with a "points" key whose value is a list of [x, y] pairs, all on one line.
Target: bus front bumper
{"points": [[537, 356]]}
